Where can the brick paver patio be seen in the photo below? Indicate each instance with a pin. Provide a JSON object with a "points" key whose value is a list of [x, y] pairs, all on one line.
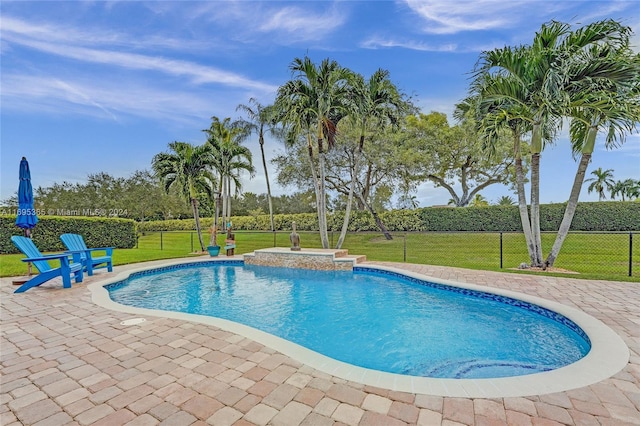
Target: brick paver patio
{"points": [[67, 361]]}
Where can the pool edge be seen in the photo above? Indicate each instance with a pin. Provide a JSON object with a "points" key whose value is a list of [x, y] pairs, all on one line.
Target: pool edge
{"points": [[608, 355]]}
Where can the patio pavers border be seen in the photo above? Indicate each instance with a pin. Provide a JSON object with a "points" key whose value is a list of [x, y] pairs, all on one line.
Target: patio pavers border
{"points": [[65, 360]]}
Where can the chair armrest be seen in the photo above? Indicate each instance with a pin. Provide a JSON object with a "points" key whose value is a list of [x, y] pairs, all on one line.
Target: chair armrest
{"points": [[47, 257]]}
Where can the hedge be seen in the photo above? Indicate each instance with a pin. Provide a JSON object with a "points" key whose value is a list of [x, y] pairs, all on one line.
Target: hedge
{"points": [[97, 232], [612, 216]]}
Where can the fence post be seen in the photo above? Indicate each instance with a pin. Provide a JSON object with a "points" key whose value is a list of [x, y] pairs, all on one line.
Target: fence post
{"points": [[274, 237], [500, 250], [405, 248], [630, 253], [161, 240], [191, 233]]}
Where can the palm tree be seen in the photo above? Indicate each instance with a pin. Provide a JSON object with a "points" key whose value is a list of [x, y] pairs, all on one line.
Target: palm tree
{"points": [[375, 102], [498, 104], [536, 84], [230, 157], [603, 92], [408, 201], [189, 168], [479, 201], [261, 120], [505, 200], [312, 104], [603, 181], [625, 188]]}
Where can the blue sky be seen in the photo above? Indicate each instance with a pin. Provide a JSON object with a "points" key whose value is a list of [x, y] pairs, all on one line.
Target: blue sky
{"points": [[95, 86]]}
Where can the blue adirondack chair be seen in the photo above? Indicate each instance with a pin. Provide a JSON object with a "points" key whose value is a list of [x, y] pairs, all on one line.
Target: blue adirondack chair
{"points": [[39, 260], [75, 242]]}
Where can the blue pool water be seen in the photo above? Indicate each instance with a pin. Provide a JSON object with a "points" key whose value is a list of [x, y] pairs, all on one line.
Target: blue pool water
{"points": [[369, 318]]}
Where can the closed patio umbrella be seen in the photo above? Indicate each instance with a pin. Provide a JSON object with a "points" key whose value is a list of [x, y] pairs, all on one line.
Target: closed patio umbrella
{"points": [[26, 216]]}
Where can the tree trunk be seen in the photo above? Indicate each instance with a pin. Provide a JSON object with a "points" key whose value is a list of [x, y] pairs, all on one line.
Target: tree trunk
{"points": [[376, 218], [522, 197], [266, 176], [569, 211], [536, 149], [522, 207], [322, 207], [194, 205], [536, 260], [316, 184], [354, 175], [572, 204]]}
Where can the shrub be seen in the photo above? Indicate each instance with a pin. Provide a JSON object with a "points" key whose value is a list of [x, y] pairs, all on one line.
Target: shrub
{"points": [[97, 232], [598, 216]]}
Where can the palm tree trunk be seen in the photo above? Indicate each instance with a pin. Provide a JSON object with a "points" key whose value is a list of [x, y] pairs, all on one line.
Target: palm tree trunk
{"points": [[228, 201], [266, 176], [347, 211], [536, 260], [196, 216], [522, 198], [569, 211], [316, 182], [322, 205], [572, 204], [536, 148], [522, 207]]}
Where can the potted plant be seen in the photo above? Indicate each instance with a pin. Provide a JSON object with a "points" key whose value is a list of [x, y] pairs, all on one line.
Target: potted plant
{"points": [[213, 248]]}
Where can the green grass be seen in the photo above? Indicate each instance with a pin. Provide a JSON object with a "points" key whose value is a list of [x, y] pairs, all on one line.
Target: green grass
{"points": [[593, 256]]}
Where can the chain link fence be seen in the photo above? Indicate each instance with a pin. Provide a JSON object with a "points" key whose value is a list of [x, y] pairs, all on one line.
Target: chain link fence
{"points": [[596, 255]]}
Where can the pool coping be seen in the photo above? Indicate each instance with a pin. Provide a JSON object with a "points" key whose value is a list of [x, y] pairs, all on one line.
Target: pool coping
{"points": [[608, 355]]}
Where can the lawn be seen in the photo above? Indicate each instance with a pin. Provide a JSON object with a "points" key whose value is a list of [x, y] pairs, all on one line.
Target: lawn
{"points": [[592, 256]]}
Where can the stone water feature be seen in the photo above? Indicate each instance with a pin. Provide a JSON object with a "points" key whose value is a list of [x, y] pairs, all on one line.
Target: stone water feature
{"points": [[322, 259]]}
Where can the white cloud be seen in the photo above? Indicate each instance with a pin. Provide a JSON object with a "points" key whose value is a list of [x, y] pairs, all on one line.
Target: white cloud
{"points": [[378, 42], [17, 28], [302, 24], [449, 17], [108, 100]]}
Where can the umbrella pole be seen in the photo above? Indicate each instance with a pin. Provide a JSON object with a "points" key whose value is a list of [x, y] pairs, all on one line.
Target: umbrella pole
{"points": [[27, 233], [22, 280]]}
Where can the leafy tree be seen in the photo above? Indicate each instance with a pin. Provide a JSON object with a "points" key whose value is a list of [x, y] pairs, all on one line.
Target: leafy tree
{"points": [[376, 103], [603, 181], [189, 168], [382, 168], [310, 106], [448, 155], [261, 120]]}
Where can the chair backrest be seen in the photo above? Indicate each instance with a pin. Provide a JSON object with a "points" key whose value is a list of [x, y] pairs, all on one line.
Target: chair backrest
{"points": [[73, 241], [26, 246]]}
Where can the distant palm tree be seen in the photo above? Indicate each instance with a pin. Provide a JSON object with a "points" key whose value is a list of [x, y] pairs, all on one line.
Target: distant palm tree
{"points": [[625, 188], [189, 168], [407, 201], [603, 181], [505, 200], [261, 120], [479, 201], [231, 157]]}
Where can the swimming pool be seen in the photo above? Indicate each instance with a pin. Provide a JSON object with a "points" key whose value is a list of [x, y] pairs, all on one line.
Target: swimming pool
{"points": [[572, 375], [370, 318]]}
